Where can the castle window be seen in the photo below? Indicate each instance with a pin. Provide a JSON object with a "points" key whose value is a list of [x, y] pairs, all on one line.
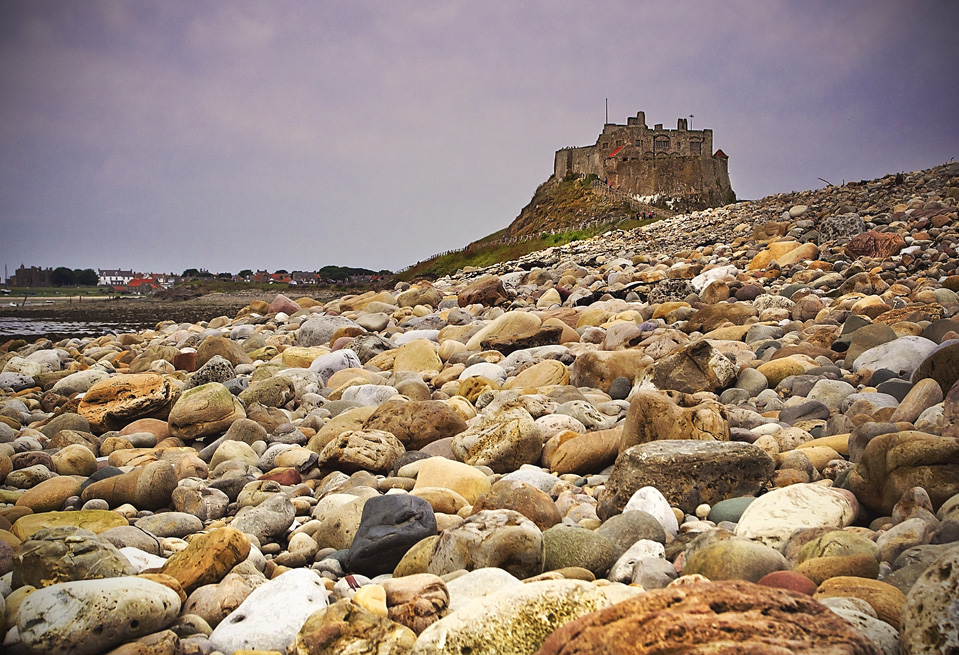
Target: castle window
{"points": [[695, 147], [661, 144], [638, 142], [619, 142]]}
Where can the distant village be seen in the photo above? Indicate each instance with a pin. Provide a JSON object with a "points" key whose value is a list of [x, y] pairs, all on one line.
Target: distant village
{"points": [[137, 283]]}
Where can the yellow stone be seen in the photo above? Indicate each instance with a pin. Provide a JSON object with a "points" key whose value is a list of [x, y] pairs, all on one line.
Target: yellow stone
{"points": [[94, 520]]}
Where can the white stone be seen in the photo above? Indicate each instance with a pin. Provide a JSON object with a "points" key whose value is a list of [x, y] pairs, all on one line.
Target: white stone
{"points": [[902, 356], [622, 570], [369, 395], [326, 365], [704, 279], [79, 382], [93, 616], [272, 614], [651, 501], [493, 372], [413, 335], [142, 560], [774, 516], [553, 424]]}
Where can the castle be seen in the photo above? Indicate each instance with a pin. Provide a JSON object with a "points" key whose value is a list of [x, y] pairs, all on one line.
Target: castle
{"points": [[641, 161]]}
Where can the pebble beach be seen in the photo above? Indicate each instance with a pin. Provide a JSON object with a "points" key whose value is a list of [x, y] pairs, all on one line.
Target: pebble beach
{"points": [[735, 430]]}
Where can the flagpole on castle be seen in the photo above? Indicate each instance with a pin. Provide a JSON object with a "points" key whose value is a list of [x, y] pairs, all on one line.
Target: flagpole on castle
{"points": [[607, 111]]}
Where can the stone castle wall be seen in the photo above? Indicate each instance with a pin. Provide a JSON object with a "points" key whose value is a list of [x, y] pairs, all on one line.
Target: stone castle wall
{"points": [[648, 161]]}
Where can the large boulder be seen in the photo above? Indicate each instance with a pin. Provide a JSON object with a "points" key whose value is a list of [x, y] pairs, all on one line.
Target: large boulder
{"points": [[389, 527], [599, 368], [504, 441], [501, 538], [66, 554], [209, 409], [895, 462], [416, 423], [654, 417], [112, 403], [694, 368], [687, 473], [710, 617]]}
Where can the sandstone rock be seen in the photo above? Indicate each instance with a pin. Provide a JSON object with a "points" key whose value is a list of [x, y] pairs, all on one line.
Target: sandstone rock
{"points": [[584, 453], [886, 600], [521, 497], [146, 487], [347, 627], [655, 417], [599, 369], [878, 245], [504, 441], [66, 554], [416, 424], [417, 601], [710, 617], [488, 291], [464, 479], [208, 558], [361, 450], [112, 403], [225, 348]]}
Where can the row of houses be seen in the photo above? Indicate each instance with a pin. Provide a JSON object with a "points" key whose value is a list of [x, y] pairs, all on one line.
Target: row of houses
{"points": [[117, 280]]}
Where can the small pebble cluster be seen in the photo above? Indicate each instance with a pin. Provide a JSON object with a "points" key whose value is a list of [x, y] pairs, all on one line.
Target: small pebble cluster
{"points": [[734, 429]]}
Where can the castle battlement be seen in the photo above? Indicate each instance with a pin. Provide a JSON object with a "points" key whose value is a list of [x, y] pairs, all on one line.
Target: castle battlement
{"points": [[646, 161]]}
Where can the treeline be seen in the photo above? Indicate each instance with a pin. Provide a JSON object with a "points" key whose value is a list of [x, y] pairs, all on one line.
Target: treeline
{"points": [[74, 277]]}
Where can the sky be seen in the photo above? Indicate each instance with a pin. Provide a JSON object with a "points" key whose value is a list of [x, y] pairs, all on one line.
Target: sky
{"points": [[161, 136]]}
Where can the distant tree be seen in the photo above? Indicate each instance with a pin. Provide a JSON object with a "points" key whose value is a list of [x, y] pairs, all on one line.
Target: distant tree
{"points": [[86, 277], [245, 273], [205, 273], [225, 276], [281, 271], [63, 277], [191, 272]]}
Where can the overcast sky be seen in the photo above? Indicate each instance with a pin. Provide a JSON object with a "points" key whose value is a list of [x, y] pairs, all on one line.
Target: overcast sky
{"points": [[160, 136]]}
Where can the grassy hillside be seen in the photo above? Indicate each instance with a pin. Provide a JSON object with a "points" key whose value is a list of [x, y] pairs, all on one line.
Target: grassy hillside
{"points": [[560, 212]]}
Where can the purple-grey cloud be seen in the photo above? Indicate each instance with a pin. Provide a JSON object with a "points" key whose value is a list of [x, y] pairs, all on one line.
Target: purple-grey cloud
{"points": [[161, 136]]}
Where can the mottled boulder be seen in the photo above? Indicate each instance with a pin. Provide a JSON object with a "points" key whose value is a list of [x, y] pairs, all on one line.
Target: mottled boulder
{"points": [[112, 403], [599, 369], [687, 473], [572, 546], [696, 367], [521, 497], [92, 616], [840, 228], [654, 417], [347, 627], [501, 538], [942, 365], [361, 450], [893, 463], [225, 348], [390, 525], [711, 617], [930, 615], [66, 554], [204, 410], [416, 601], [417, 423], [487, 291], [504, 441], [94, 520], [878, 245], [885, 599], [515, 620]]}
